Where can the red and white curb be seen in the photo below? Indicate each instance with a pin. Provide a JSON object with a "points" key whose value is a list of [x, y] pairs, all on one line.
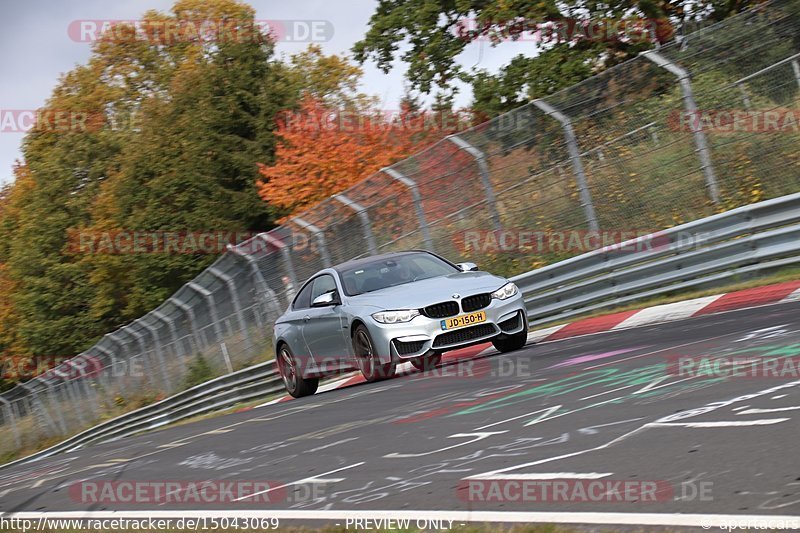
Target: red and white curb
{"points": [[766, 295]]}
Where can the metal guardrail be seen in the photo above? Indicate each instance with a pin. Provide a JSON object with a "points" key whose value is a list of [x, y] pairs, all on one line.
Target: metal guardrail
{"points": [[750, 238], [248, 384], [755, 237]]}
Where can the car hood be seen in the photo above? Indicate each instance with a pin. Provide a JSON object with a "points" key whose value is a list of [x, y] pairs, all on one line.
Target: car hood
{"points": [[430, 291]]}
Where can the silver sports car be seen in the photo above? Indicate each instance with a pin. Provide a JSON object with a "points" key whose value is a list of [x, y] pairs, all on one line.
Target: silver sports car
{"points": [[370, 314]]}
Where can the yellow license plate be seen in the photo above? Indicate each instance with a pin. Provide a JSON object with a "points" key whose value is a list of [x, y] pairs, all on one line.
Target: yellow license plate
{"points": [[464, 320]]}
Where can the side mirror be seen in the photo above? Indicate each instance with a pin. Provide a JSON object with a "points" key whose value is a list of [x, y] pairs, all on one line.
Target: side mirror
{"points": [[467, 267], [325, 299]]}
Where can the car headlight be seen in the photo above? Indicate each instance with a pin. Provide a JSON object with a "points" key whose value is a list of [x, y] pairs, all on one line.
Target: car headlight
{"points": [[393, 317], [506, 291]]}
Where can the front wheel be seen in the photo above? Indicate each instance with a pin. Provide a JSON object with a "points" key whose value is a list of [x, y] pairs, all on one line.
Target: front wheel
{"points": [[511, 342], [368, 361], [292, 375]]}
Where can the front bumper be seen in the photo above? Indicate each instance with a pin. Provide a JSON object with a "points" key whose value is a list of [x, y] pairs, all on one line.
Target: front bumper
{"points": [[411, 339]]}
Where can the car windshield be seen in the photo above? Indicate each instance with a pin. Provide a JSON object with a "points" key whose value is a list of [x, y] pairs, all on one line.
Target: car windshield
{"points": [[388, 272]]}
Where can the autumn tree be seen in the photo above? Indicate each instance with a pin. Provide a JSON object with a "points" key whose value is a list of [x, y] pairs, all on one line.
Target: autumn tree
{"points": [[324, 150]]}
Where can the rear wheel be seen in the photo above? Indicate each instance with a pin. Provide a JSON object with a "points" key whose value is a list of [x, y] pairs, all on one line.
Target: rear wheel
{"points": [[291, 373], [429, 361], [511, 342], [368, 361]]}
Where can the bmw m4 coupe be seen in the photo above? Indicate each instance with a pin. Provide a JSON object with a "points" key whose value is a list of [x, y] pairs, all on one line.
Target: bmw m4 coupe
{"points": [[371, 314]]}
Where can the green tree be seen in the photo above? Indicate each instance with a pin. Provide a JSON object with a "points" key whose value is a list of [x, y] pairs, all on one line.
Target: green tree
{"points": [[434, 33]]}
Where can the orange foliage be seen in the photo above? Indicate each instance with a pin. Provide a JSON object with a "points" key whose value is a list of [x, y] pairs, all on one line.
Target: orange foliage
{"points": [[322, 152]]}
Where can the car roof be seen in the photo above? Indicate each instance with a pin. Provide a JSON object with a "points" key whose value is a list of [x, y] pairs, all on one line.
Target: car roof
{"points": [[355, 263]]}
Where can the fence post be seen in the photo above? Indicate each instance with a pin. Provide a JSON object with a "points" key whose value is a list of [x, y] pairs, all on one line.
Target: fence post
{"points": [[13, 423], [179, 351], [264, 294], [700, 141], [412, 186], [189, 312], [108, 380], [159, 351], [365, 223], [84, 381], [285, 253], [43, 412], [237, 306], [319, 235], [577, 164], [212, 309], [480, 158], [139, 339]]}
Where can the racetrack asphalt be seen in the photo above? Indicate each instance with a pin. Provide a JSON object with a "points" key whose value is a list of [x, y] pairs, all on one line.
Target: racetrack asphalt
{"points": [[611, 407]]}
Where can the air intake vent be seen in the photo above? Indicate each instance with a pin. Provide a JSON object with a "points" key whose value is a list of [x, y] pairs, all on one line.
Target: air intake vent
{"points": [[463, 335]]}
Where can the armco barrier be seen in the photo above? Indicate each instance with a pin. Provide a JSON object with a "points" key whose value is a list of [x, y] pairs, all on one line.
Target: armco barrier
{"points": [[755, 237], [704, 252]]}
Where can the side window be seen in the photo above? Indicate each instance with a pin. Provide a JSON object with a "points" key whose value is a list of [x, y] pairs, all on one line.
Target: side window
{"points": [[321, 285], [303, 300]]}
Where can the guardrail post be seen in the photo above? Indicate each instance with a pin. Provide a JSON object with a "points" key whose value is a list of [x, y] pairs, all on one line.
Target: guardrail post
{"points": [[212, 309], [577, 164], [700, 141], [237, 306], [319, 235], [364, 217], [796, 68], [159, 351], [11, 422], [412, 186], [483, 167]]}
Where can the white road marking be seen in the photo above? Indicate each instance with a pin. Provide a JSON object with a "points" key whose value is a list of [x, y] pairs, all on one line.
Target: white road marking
{"points": [[720, 423], [312, 479], [774, 410], [547, 475], [705, 521], [546, 412]]}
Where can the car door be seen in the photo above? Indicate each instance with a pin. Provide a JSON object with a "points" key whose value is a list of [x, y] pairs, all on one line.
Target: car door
{"points": [[296, 319], [324, 331]]}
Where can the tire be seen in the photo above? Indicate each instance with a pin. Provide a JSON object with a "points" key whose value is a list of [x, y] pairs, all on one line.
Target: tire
{"points": [[426, 362], [366, 358], [295, 384], [511, 342]]}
